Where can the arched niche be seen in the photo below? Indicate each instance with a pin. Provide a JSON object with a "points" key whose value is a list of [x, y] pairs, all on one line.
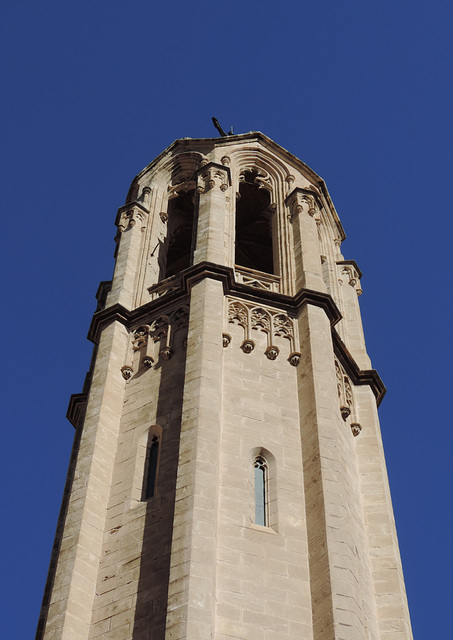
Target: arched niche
{"points": [[253, 243], [176, 251]]}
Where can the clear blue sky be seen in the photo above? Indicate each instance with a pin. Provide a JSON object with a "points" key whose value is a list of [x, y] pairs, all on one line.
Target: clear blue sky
{"points": [[93, 91]]}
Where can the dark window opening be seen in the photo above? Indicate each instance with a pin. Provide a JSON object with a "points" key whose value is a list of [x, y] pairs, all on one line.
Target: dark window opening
{"points": [[176, 252], [260, 491], [151, 468], [253, 226]]}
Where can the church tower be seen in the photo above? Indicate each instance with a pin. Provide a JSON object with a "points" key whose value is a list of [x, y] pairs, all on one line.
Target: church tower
{"points": [[227, 480]]}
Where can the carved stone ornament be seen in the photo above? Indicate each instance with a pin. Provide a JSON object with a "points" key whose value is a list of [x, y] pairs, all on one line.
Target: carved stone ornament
{"points": [[225, 161], [126, 372], [345, 393], [157, 340], [226, 339], [260, 319], [247, 346], [258, 280], [129, 217], [163, 216], [140, 337], [272, 352], [356, 428], [294, 358], [180, 318], [272, 323], [262, 178], [146, 195], [283, 326], [238, 312], [211, 176], [166, 353], [302, 201], [353, 277]]}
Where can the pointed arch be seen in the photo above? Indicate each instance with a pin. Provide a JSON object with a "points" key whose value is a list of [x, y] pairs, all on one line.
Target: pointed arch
{"points": [[264, 500]]}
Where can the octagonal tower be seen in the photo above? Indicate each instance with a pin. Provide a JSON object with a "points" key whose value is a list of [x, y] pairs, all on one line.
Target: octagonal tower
{"points": [[228, 478]]}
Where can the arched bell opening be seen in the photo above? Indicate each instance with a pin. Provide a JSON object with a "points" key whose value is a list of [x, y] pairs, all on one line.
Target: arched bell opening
{"points": [[176, 252], [254, 225]]}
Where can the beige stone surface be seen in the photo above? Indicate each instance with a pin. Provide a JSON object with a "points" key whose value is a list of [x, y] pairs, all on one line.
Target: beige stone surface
{"points": [[226, 366]]}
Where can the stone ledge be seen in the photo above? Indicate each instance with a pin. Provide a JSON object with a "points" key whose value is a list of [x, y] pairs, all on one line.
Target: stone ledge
{"points": [[185, 280]]}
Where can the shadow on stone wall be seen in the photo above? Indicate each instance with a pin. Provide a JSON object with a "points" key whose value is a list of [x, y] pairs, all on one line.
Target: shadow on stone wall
{"points": [[151, 606]]}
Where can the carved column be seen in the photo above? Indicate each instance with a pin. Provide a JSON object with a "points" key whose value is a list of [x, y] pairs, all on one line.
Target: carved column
{"points": [[213, 183], [131, 221], [304, 208]]}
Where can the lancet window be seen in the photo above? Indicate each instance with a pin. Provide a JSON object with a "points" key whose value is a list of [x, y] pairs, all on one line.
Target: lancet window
{"points": [[261, 491], [151, 466], [254, 223]]}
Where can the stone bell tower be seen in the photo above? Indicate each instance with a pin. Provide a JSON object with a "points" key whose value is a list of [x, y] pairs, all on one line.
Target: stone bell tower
{"points": [[228, 479]]}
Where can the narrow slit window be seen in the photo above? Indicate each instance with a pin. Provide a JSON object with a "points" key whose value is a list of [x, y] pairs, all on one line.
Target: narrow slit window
{"points": [[151, 468], [260, 491]]}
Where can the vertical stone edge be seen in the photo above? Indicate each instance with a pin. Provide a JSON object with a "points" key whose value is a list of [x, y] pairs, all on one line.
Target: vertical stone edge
{"points": [[192, 584], [73, 590], [385, 561]]}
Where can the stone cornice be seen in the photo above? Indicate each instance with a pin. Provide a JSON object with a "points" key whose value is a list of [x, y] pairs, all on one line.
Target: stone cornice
{"points": [[180, 289], [187, 278]]}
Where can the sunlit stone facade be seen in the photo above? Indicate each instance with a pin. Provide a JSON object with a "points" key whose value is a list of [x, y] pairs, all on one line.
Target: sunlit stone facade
{"points": [[228, 478]]}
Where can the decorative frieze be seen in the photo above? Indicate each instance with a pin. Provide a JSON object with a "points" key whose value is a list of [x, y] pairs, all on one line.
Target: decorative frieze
{"points": [[154, 341], [273, 323]]}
